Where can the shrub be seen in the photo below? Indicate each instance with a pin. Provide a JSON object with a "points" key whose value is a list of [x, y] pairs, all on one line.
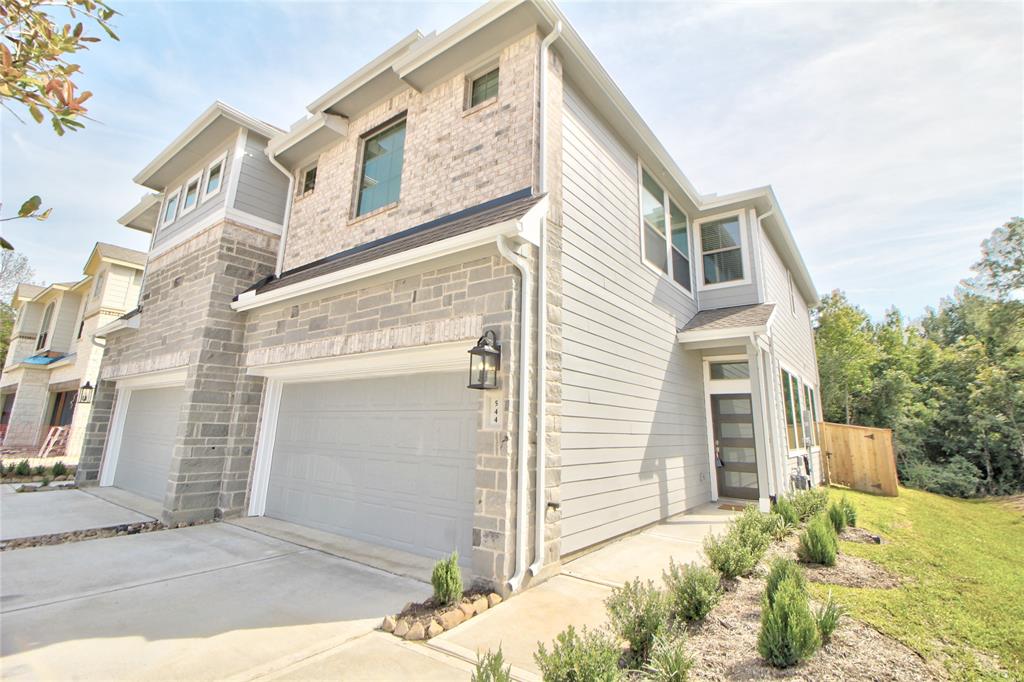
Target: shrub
{"points": [[693, 590], [811, 502], [783, 570], [447, 580], [23, 469], [827, 617], [956, 478], [9, 469], [45, 482], [788, 632], [778, 528], [818, 542], [590, 655], [754, 530], [491, 668], [39, 470], [727, 555], [784, 508], [638, 613], [60, 469], [837, 516], [850, 511], [669, 661]]}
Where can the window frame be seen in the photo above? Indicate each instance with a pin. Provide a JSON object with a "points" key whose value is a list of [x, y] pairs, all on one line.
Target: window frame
{"points": [[205, 173], [301, 184], [97, 285], [368, 135], [667, 201], [43, 336], [698, 225], [176, 195], [471, 80], [198, 179]]}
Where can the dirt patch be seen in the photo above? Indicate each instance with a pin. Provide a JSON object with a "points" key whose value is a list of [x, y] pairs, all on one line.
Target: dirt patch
{"points": [[91, 534], [1015, 502], [724, 647], [862, 536], [849, 571]]}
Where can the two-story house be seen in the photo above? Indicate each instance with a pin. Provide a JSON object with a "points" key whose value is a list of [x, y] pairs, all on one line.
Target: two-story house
{"points": [[53, 363], [301, 351]]}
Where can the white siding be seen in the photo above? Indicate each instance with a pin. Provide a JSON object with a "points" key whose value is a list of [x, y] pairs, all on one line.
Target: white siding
{"points": [[262, 188], [634, 446]]}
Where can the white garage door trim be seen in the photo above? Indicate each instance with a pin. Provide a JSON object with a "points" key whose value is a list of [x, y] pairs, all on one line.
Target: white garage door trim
{"points": [[122, 396], [440, 357]]}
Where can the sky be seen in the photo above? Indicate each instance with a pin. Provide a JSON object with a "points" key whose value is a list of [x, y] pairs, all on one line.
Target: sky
{"points": [[892, 132]]}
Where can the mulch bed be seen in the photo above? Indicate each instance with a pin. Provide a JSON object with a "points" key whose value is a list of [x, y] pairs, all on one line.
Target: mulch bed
{"points": [[849, 571], [423, 620], [91, 534]]}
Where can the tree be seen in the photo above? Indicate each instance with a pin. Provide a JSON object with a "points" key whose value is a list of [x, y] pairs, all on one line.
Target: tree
{"points": [[35, 71], [14, 269], [846, 353], [1000, 271]]}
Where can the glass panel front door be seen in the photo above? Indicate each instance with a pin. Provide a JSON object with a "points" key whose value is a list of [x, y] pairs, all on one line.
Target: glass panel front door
{"points": [[735, 456]]}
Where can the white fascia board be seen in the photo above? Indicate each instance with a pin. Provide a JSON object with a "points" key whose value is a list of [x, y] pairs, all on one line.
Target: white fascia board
{"points": [[116, 326], [698, 335], [130, 219], [289, 149], [382, 63], [216, 110], [526, 228]]}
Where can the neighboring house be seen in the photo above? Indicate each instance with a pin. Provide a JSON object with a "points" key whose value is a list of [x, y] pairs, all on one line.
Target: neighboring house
{"points": [[300, 351], [52, 363]]}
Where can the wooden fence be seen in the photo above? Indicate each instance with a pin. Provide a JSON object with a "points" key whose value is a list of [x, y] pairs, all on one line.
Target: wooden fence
{"points": [[859, 457]]}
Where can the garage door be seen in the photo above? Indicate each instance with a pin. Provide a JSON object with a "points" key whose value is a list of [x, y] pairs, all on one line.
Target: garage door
{"points": [[147, 441], [388, 460]]}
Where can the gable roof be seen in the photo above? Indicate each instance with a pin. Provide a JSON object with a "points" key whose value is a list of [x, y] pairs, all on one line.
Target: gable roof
{"points": [[727, 323], [113, 252]]}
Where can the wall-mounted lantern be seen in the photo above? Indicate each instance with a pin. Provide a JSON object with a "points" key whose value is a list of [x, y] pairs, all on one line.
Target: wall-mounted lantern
{"points": [[85, 393], [484, 362]]}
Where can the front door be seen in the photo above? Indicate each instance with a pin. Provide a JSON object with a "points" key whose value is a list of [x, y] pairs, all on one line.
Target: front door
{"points": [[735, 456]]}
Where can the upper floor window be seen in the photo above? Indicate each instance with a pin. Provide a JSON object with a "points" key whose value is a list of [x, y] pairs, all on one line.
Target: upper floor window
{"points": [[98, 288], [214, 177], [44, 327], [308, 180], [81, 328], [171, 207], [483, 88], [721, 244], [666, 243], [191, 196], [380, 179]]}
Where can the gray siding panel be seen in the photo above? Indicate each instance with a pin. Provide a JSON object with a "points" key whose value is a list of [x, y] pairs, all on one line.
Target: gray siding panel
{"points": [[634, 447], [262, 188]]}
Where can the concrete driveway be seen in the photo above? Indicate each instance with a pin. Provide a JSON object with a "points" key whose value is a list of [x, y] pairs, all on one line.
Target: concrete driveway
{"points": [[58, 511], [208, 602]]}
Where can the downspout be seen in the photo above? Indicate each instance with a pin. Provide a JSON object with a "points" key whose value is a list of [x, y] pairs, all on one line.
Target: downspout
{"points": [[540, 502], [521, 443], [287, 211]]}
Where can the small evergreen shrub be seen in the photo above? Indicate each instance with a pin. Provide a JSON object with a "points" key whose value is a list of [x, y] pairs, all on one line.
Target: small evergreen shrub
{"points": [[818, 542], [669, 661], [60, 469], [39, 471], [783, 570], [23, 469], [693, 590], [778, 529], [727, 555], [754, 530], [837, 515], [811, 502], [788, 633], [850, 511], [827, 617], [45, 482], [9, 469], [784, 508], [589, 655], [491, 668], [447, 580], [638, 613]]}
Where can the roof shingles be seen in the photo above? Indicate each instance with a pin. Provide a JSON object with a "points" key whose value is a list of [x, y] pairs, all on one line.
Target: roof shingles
{"points": [[733, 317]]}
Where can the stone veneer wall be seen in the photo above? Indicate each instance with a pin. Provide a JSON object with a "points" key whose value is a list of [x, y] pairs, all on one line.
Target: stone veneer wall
{"points": [[482, 290], [187, 321], [454, 159]]}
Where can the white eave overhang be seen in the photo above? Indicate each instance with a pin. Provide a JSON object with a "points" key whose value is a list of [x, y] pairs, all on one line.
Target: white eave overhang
{"points": [[117, 325], [526, 229], [307, 138], [143, 215], [705, 335], [195, 142]]}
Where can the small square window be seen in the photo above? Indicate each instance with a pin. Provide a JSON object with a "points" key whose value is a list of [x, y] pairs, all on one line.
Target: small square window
{"points": [[484, 88], [309, 180]]}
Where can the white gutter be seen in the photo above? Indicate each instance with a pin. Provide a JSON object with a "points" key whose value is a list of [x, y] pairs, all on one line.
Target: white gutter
{"points": [[521, 444], [540, 503], [287, 211]]}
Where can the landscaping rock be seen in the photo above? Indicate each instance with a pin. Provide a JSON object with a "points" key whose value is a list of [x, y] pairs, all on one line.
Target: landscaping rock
{"points": [[402, 629], [450, 619], [480, 605], [467, 610], [434, 629], [493, 599], [416, 632], [389, 624]]}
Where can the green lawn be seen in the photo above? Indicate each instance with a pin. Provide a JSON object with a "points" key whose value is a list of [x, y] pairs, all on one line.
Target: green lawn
{"points": [[963, 601]]}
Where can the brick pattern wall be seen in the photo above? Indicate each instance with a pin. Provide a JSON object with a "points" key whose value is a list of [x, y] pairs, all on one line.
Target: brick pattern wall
{"points": [[453, 159]]}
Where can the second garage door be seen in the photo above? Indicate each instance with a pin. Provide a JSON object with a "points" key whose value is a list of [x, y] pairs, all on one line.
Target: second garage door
{"points": [[147, 441], [389, 460]]}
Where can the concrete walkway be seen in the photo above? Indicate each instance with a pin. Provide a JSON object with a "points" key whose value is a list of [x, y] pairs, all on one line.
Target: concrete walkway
{"points": [[576, 597], [58, 511]]}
